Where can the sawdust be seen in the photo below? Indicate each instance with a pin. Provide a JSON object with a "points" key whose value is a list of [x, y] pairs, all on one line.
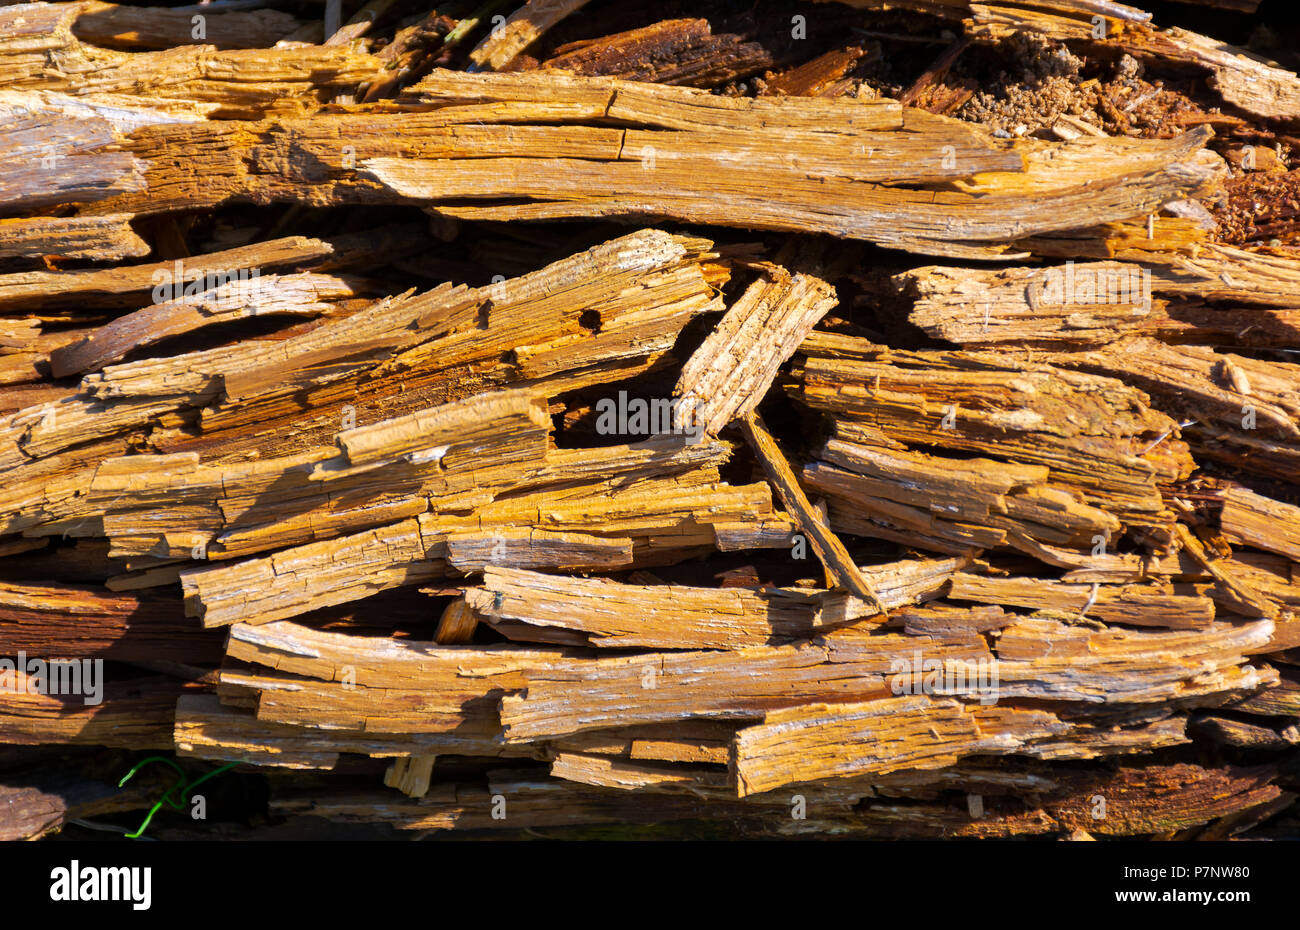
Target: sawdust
{"points": [[1041, 80], [1259, 207], [1039, 83]]}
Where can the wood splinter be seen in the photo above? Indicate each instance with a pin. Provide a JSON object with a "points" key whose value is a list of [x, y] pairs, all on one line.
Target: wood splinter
{"points": [[825, 543]]}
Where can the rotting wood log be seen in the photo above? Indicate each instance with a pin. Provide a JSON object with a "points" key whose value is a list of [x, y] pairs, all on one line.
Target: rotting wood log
{"points": [[334, 399]]}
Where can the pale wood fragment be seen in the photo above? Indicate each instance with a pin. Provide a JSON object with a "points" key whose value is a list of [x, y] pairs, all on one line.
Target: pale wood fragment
{"points": [[521, 29], [230, 296], [122, 286], [52, 160], [825, 543], [727, 376], [410, 774]]}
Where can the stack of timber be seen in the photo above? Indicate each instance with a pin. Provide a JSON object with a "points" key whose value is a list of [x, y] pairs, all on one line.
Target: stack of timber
{"points": [[612, 420]]}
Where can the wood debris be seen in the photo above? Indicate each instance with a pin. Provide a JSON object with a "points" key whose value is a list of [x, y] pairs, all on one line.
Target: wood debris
{"points": [[626, 417]]}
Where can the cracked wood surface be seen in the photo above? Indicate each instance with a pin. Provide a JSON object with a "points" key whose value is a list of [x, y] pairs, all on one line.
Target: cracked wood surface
{"points": [[620, 616]]}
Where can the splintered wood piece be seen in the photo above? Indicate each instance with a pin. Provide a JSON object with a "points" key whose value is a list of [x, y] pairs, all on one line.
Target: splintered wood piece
{"points": [[616, 615], [51, 160], [727, 376], [667, 616], [1117, 456], [230, 296], [1241, 411], [1047, 659], [818, 741], [1282, 701], [127, 285], [208, 729], [41, 52], [1255, 520], [1091, 741], [1035, 659], [679, 741], [1232, 587], [94, 238], [627, 775], [673, 686], [859, 190], [134, 714], [825, 543], [1224, 273], [316, 575], [460, 453], [1085, 303], [72, 621], [1245, 80], [643, 522], [988, 307], [364, 668], [427, 435], [521, 29], [662, 183], [674, 51], [738, 685], [650, 104], [946, 620], [1137, 605], [123, 112], [410, 774], [953, 505], [1162, 798], [683, 749], [533, 548], [111, 25], [18, 335]]}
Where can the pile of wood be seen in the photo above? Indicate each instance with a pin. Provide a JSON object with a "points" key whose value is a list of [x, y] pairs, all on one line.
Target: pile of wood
{"points": [[552, 417]]}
